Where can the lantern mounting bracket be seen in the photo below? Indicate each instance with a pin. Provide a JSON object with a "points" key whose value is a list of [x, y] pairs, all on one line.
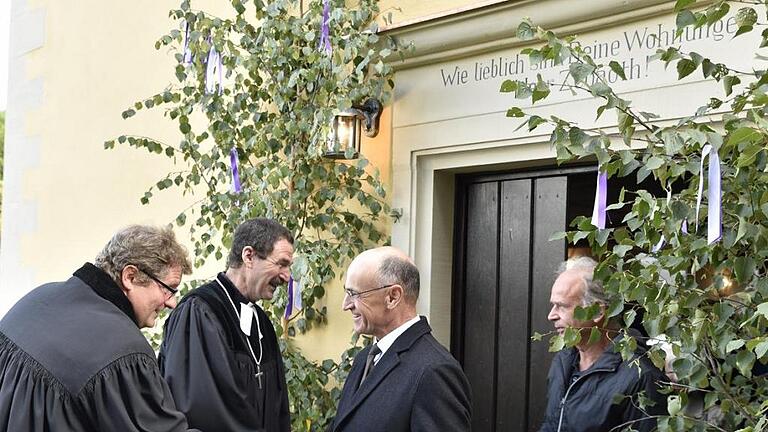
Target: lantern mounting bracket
{"points": [[370, 111]]}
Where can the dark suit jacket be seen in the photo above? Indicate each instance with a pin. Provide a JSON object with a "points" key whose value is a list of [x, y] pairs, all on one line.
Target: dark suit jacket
{"points": [[416, 386]]}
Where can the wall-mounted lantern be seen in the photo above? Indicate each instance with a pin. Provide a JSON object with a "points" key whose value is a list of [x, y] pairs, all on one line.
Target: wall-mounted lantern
{"points": [[345, 136]]}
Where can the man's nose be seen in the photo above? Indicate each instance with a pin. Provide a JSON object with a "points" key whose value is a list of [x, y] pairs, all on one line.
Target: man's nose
{"points": [[285, 274], [347, 303], [552, 315], [171, 302]]}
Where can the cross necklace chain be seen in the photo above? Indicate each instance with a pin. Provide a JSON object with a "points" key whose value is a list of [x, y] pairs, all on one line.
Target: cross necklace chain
{"points": [[259, 373]]}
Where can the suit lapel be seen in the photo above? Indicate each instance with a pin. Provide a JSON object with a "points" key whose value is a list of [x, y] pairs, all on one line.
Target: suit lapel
{"points": [[351, 399], [350, 385]]}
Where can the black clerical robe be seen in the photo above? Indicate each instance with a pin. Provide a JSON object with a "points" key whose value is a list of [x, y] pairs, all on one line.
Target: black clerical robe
{"points": [[208, 365], [72, 358]]}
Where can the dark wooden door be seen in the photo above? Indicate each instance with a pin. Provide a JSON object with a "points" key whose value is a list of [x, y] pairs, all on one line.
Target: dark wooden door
{"points": [[504, 269]]}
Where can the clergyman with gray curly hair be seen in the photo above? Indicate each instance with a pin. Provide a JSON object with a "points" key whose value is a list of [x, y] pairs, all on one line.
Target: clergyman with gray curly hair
{"points": [[72, 356]]}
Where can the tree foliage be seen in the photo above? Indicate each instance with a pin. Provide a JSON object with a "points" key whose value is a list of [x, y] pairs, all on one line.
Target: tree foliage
{"points": [[276, 98], [710, 301]]}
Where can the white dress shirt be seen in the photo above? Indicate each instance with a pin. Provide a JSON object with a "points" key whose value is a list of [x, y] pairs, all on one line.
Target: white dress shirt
{"points": [[392, 336]]}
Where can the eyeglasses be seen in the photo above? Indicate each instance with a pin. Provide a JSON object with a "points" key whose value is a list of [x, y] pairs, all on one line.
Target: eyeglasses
{"points": [[171, 291], [352, 293]]}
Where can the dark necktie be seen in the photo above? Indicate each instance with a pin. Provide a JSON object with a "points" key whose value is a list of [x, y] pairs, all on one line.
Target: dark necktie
{"points": [[369, 361]]}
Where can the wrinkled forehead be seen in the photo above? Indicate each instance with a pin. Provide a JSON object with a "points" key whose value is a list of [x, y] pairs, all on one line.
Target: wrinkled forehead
{"points": [[282, 249], [570, 284]]}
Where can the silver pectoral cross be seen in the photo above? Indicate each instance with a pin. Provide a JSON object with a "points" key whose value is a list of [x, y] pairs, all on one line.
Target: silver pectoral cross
{"points": [[258, 374]]}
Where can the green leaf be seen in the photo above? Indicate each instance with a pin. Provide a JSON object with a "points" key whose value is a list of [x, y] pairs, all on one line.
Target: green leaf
{"points": [[571, 336], [728, 82], [654, 162], [580, 71], [509, 86], [744, 361], [515, 112], [684, 19], [600, 89], [629, 317], [621, 250], [762, 309], [618, 69], [742, 30], [685, 67], [682, 4], [558, 236], [525, 31], [540, 91], [734, 345], [557, 343], [746, 17], [534, 121], [674, 405], [715, 14], [742, 135], [761, 349], [594, 336]]}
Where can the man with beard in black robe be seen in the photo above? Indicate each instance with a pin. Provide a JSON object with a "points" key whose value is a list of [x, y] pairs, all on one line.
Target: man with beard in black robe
{"points": [[72, 357], [220, 355]]}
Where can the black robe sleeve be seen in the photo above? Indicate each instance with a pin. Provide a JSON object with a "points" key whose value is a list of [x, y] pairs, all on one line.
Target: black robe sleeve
{"points": [[210, 383], [131, 396]]}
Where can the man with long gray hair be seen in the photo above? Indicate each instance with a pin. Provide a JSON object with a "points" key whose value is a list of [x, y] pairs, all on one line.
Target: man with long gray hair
{"points": [[585, 380], [72, 357]]}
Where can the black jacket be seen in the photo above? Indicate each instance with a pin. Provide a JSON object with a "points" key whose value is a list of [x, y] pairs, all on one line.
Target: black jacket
{"points": [[416, 386], [73, 359], [587, 404], [207, 362]]}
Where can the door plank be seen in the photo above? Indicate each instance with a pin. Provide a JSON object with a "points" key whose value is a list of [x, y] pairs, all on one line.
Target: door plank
{"points": [[481, 301], [549, 217], [514, 281]]}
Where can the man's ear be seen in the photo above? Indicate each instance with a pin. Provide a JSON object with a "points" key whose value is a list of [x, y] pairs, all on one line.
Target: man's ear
{"points": [[395, 296], [600, 320], [248, 255], [127, 277]]}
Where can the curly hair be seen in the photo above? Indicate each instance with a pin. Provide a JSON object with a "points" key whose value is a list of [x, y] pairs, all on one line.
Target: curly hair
{"points": [[150, 248]]}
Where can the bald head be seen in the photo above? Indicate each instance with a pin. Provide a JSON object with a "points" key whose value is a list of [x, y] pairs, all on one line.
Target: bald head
{"points": [[389, 265]]}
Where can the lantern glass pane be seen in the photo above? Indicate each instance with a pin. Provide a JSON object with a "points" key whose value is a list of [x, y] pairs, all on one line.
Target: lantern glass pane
{"points": [[344, 137]]}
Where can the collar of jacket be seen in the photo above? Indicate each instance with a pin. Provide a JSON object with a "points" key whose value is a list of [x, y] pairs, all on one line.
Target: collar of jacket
{"points": [[405, 340], [608, 360], [237, 296], [103, 285]]}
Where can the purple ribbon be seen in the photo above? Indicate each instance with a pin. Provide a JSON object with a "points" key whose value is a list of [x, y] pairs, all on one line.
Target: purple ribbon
{"points": [[213, 68], [235, 175], [325, 28], [601, 198], [289, 306], [187, 52], [714, 210]]}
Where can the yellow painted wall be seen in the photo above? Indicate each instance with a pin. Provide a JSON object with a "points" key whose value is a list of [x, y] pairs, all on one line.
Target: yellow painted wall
{"points": [[65, 195], [404, 11]]}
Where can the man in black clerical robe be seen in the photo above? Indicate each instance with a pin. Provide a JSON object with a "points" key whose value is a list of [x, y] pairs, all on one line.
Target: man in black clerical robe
{"points": [[72, 357], [220, 355]]}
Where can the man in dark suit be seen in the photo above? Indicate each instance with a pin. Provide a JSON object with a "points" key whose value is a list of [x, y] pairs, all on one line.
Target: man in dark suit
{"points": [[406, 381]]}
